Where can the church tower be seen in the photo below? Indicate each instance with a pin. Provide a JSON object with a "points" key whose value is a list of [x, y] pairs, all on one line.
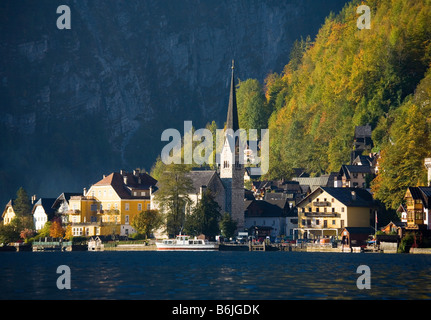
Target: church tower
{"points": [[231, 167]]}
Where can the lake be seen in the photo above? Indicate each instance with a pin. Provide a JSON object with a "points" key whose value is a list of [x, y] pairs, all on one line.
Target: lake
{"points": [[151, 275]]}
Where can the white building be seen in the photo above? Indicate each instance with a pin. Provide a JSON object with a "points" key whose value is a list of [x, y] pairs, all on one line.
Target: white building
{"points": [[43, 212]]}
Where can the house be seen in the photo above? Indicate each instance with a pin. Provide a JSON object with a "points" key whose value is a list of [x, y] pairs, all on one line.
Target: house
{"points": [[266, 218], [418, 201], [43, 212], [328, 210], [362, 141], [394, 227], [61, 205], [8, 212], [354, 176], [110, 205]]}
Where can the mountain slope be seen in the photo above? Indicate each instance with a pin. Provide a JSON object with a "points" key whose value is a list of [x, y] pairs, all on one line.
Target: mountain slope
{"points": [[79, 103]]}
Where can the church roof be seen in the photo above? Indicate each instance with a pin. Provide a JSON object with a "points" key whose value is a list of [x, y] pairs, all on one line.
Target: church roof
{"points": [[201, 178], [232, 111]]}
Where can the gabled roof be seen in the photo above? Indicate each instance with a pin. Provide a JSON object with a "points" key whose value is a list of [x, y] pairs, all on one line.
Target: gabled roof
{"points": [[201, 178], [346, 170], [350, 197], [47, 205], [116, 181], [262, 208], [421, 193], [9, 204], [363, 131], [65, 196]]}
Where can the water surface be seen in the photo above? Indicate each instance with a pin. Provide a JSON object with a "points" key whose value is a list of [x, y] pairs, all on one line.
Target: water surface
{"points": [[213, 275]]}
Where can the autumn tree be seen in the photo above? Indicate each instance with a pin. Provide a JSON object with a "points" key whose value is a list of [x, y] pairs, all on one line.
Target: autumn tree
{"points": [[145, 222], [56, 230]]}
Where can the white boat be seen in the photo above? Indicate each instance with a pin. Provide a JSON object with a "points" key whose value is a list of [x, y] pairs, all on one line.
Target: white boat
{"points": [[185, 243]]}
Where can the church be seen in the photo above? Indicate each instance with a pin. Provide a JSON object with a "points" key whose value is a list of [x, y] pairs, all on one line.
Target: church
{"points": [[227, 183]]}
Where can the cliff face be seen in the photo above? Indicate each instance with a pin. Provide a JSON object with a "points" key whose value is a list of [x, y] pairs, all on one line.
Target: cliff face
{"points": [[79, 103]]}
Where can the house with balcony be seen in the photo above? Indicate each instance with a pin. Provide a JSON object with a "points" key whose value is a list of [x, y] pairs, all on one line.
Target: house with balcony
{"points": [[327, 211], [111, 204], [418, 201]]}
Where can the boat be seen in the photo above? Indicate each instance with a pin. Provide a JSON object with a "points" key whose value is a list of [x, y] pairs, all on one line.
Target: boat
{"points": [[185, 243]]}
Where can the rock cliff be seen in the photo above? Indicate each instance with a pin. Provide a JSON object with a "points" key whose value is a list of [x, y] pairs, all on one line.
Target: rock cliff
{"points": [[79, 103]]}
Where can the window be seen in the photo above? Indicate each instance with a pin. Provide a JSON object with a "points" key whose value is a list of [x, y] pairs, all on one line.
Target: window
{"points": [[139, 206], [317, 222], [126, 217], [309, 209], [342, 209], [126, 207], [93, 207], [333, 210], [303, 209], [148, 206], [333, 222], [143, 193]]}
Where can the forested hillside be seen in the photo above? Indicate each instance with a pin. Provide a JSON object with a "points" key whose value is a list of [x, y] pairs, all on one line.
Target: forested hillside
{"points": [[347, 77]]}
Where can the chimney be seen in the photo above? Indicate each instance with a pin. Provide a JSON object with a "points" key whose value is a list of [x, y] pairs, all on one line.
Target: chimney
{"points": [[428, 166], [84, 193], [125, 179], [136, 172], [33, 199], [202, 190], [354, 195]]}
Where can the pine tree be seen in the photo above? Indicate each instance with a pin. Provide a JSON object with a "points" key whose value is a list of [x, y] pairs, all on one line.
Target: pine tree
{"points": [[22, 205]]}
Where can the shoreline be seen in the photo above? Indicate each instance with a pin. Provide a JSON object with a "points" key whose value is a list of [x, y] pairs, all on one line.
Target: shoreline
{"points": [[222, 247]]}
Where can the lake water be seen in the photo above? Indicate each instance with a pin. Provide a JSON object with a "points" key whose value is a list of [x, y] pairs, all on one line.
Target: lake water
{"points": [[213, 275]]}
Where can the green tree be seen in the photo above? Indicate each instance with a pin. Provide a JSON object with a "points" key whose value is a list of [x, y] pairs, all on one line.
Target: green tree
{"points": [[205, 217], [8, 233], [227, 225], [252, 109], [173, 196], [22, 205], [145, 222]]}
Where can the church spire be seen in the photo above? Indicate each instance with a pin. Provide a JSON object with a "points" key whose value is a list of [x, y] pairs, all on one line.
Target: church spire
{"points": [[232, 112]]}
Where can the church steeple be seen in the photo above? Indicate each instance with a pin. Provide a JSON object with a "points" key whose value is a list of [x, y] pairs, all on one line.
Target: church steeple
{"points": [[232, 111]]}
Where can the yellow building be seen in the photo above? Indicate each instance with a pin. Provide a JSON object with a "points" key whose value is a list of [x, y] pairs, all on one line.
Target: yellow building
{"points": [[8, 213], [327, 211], [418, 200], [111, 204]]}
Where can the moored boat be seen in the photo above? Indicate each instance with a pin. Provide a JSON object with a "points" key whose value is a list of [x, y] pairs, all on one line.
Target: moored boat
{"points": [[185, 243]]}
